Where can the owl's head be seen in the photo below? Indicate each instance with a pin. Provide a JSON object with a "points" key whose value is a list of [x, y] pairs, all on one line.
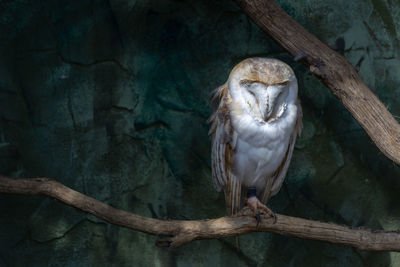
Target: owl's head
{"points": [[263, 87]]}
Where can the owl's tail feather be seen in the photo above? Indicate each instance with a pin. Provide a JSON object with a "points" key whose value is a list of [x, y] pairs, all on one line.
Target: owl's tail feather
{"points": [[233, 194], [233, 202]]}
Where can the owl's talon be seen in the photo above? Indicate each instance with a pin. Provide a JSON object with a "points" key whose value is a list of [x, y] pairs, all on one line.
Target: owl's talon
{"points": [[255, 205]]}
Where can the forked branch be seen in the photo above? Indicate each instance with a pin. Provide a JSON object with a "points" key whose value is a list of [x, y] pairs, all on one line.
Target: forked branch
{"points": [[177, 233], [332, 69]]}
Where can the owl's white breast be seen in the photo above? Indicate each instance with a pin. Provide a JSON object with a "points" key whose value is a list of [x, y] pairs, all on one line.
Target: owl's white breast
{"points": [[261, 147]]}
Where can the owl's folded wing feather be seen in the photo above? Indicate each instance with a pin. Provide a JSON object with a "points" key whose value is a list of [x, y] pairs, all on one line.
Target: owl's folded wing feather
{"points": [[223, 146], [275, 182]]}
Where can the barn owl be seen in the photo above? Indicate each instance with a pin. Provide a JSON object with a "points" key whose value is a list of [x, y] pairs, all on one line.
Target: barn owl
{"points": [[253, 130]]}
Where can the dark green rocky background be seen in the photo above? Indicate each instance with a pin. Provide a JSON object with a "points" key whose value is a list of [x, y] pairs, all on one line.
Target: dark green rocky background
{"points": [[111, 98]]}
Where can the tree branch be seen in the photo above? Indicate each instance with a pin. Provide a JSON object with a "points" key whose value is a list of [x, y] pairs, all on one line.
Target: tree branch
{"points": [[181, 232], [332, 69]]}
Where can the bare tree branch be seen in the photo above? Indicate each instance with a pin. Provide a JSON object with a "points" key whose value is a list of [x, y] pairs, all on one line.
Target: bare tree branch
{"points": [[180, 232], [332, 69]]}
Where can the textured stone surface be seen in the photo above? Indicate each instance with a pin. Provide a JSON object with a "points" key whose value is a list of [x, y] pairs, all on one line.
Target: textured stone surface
{"points": [[111, 98]]}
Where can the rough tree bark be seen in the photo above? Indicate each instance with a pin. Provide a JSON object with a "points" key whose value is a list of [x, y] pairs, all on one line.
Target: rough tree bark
{"points": [[332, 69], [181, 232]]}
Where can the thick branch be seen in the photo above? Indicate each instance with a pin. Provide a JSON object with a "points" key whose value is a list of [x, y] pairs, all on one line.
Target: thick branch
{"points": [[332, 69], [181, 232]]}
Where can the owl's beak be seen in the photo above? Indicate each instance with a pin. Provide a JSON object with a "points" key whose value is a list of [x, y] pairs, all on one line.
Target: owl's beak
{"points": [[271, 105], [268, 106], [268, 112]]}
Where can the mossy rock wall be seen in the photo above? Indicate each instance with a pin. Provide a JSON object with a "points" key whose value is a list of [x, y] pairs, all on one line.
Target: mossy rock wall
{"points": [[112, 98]]}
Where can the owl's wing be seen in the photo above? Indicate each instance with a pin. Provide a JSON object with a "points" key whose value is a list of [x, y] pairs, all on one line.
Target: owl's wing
{"points": [[275, 182], [224, 140]]}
